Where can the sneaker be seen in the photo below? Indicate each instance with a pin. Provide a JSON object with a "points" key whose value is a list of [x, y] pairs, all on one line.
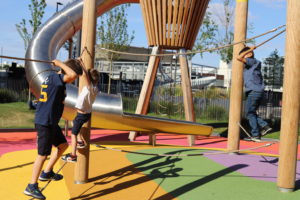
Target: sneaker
{"points": [[255, 139], [45, 176], [80, 145], [34, 191], [252, 139], [266, 130], [69, 158]]}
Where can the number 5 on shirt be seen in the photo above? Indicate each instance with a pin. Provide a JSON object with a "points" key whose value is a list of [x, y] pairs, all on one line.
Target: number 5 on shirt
{"points": [[43, 96]]}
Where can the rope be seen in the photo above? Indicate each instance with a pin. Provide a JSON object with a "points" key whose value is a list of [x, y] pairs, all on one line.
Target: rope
{"points": [[171, 54], [270, 38], [185, 155], [26, 59], [204, 50]]}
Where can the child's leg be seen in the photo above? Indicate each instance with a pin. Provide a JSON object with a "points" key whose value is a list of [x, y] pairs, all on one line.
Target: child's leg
{"points": [[55, 155], [37, 168], [73, 144], [80, 138]]}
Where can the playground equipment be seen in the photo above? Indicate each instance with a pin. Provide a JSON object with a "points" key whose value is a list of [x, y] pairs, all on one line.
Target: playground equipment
{"points": [[291, 94], [170, 25], [62, 26], [107, 109]]}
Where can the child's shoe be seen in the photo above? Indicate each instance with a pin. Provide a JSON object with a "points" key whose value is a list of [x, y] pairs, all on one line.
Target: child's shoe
{"points": [[34, 191], [69, 158], [46, 176], [80, 145]]}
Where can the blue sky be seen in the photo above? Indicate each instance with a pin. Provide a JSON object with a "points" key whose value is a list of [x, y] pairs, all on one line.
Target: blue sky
{"points": [[264, 15]]}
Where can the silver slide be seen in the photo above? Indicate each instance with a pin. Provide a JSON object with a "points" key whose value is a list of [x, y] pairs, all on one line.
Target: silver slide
{"points": [[107, 109]]}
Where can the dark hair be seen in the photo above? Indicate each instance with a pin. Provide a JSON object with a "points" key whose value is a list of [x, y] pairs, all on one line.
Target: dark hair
{"points": [[244, 49], [93, 76], [75, 65]]}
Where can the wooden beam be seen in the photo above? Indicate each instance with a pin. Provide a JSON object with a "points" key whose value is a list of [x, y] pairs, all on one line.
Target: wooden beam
{"points": [[174, 21], [164, 22], [236, 91], [147, 88], [88, 39], [290, 101], [185, 17], [169, 21], [155, 20], [187, 93]]}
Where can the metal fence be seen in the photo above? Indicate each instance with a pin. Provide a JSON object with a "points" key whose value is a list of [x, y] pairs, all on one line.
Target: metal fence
{"points": [[17, 89], [209, 103]]}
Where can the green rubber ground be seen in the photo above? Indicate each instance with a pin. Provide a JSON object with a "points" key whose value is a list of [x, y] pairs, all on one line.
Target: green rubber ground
{"points": [[194, 178]]}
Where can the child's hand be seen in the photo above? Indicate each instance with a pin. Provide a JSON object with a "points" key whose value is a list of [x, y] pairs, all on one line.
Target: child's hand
{"points": [[56, 62]]}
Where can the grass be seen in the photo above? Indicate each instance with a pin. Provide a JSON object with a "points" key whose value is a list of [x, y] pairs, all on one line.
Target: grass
{"points": [[17, 115]]}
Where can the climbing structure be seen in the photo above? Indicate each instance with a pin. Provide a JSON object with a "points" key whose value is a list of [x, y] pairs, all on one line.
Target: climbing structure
{"points": [[170, 24]]}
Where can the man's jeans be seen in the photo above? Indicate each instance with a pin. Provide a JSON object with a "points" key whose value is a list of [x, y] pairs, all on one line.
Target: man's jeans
{"points": [[252, 103]]}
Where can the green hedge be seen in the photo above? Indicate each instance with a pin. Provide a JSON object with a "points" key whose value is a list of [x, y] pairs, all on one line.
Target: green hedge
{"points": [[8, 96]]}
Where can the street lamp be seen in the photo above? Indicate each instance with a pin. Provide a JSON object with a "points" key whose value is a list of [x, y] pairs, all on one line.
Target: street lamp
{"points": [[58, 3]]}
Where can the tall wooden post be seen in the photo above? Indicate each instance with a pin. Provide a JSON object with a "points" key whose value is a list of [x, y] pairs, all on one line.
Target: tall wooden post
{"points": [[236, 92], [145, 95], [189, 109], [291, 101], [88, 52]]}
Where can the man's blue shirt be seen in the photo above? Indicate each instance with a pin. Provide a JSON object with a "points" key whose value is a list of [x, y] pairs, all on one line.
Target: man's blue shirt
{"points": [[51, 102], [253, 80]]}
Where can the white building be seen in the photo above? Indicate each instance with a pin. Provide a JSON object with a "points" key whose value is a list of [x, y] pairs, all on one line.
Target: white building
{"points": [[225, 70]]}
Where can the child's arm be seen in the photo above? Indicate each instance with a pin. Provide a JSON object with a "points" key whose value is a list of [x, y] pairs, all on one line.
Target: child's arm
{"points": [[85, 75], [242, 58], [70, 75]]}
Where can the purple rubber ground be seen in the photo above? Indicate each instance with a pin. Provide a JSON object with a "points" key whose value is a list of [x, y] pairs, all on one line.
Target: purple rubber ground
{"points": [[259, 167]]}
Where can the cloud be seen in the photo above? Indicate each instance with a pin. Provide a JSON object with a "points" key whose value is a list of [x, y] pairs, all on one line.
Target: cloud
{"points": [[218, 13]]}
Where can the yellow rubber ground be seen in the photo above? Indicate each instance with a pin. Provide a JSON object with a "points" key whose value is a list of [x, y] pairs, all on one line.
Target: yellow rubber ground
{"points": [[112, 176]]}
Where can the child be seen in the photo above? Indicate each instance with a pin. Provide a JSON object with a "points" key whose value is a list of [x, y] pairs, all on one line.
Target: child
{"points": [[48, 113], [254, 88], [84, 108]]}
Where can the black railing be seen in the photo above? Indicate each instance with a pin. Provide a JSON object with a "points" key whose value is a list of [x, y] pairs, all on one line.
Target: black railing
{"points": [[209, 103]]}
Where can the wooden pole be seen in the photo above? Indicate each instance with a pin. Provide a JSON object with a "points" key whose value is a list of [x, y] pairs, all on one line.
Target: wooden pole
{"points": [[187, 93], [145, 95], [290, 102], [88, 52], [236, 92]]}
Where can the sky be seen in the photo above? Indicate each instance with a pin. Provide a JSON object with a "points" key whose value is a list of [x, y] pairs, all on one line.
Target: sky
{"points": [[263, 15]]}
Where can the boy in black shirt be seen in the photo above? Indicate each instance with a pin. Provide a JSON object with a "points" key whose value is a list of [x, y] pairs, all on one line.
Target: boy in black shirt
{"points": [[48, 113]]}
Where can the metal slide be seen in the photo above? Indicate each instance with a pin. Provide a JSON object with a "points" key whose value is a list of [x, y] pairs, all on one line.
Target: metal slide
{"points": [[107, 109]]}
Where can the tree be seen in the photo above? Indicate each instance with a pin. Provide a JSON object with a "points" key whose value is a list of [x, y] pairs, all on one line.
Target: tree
{"points": [[112, 34], [206, 37], [273, 70], [219, 19], [37, 10], [226, 36]]}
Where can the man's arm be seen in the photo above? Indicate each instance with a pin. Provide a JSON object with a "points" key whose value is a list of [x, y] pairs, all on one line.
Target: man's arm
{"points": [[70, 75], [242, 58]]}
